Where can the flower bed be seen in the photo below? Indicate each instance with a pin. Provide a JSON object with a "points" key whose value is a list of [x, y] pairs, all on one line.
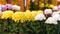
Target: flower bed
{"points": [[29, 22]]}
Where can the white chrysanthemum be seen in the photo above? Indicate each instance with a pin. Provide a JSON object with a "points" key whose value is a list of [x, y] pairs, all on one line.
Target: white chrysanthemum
{"points": [[18, 8], [48, 11], [55, 8], [56, 13], [0, 7], [56, 17], [15, 7], [51, 20], [40, 17]]}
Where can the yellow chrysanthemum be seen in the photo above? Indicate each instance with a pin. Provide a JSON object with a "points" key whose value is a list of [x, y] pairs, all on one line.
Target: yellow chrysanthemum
{"points": [[28, 16], [47, 5], [18, 16], [27, 10], [51, 6], [39, 12], [41, 5], [34, 13], [7, 14]]}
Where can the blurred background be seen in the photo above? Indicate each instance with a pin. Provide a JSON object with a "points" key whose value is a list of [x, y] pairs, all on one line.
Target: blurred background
{"points": [[30, 4]]}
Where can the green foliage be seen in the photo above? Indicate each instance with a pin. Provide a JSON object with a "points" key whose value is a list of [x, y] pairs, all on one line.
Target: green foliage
{"points": [[31, 27], [51, 29], [33, 6]]}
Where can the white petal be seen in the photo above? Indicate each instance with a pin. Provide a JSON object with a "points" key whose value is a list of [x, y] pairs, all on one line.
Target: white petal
{"points": [[48, 11], [56, 17], [51, 20], [18, 8], [14, 7], [0, 7], [55, 8], [55, 13], [40, 17]]}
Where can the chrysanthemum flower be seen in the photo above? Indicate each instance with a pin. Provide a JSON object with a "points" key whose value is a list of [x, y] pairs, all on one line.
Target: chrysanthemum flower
{"points": [[56, 17], [9, 6], [4, 7], [47, 11], [55, 8], [56, 13], [47, 5], [18, 16], [34, 13], [40, 12], [15, 7], [41, 5], [29, 16], [18, 8], [51, 20], [40, 17], [27, 10], [7, 14], [51, 6], [0, 9]]}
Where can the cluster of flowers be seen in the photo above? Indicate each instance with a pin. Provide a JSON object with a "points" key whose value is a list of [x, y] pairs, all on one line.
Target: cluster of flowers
{"points": [[54, 15], [31, 16], [21, 16], [42, 5], [9, 7], [51, 6]]}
